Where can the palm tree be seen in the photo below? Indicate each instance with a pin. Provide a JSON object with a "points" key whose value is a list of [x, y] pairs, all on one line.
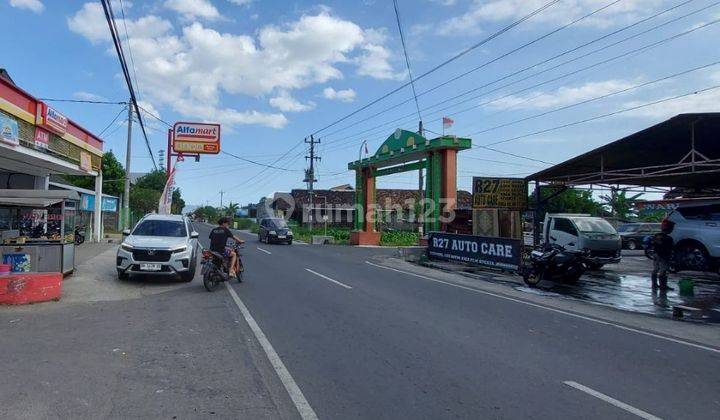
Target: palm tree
{"points": [[621, 206], [231, 209]]}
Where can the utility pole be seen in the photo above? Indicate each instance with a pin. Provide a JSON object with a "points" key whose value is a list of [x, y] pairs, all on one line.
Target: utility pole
{"points": [[221, 198], [421, 194], [128, 152], [310, 174]]}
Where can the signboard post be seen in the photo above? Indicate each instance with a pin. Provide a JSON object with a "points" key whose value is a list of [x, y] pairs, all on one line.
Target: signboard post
{"points": [[500, 253]]}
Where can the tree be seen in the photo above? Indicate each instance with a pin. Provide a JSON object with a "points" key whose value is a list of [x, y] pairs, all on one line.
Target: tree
{"points": [[113, 176], [178, 204], [231, 209], [154, 180], [568, 201], [144, 200], [208, 213], [621, 206]]}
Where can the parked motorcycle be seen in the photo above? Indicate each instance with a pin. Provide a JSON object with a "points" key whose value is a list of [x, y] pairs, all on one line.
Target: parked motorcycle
{"points": [[553, 262], [216, 268], [79, 235]]}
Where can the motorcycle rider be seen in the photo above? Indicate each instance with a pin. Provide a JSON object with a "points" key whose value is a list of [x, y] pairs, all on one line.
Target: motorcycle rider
{"points": [[218, 243], [662, 243]]}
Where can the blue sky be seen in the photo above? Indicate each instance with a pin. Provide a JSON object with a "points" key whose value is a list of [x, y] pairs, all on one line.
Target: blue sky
{"points": [[272, 72]]}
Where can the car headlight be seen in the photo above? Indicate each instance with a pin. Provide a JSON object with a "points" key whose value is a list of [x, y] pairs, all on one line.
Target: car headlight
{"points": [[180, 249], [126, 247], [272, 232], [289, 232]]}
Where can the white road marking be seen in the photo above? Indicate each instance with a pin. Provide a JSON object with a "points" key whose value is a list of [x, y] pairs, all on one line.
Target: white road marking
{"points": [[560, 311], [329, 279], [264, 250], [296, 395], [619, 404]]}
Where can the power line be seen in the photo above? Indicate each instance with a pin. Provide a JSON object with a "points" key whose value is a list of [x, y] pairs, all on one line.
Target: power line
{"points": [[113, 121], [82, 101], [110, 18], [485, 64], [597, 117], [444, 63], [407, 60], [127, 38], [565, 75], [258, 163]]}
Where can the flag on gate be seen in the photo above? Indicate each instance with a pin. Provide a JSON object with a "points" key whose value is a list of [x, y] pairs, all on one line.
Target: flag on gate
{"points": [[447, 122]]}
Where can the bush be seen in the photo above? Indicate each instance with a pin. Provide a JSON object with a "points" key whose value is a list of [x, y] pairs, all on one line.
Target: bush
{"points": [[398, 238], [244, 223]]}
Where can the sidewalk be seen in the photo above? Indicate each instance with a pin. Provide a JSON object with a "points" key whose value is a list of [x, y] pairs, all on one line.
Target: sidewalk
{"points": [[510, 287], [623, 291]]}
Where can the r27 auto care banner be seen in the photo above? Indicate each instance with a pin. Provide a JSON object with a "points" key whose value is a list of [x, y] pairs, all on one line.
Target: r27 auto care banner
{"points": [[493, 252]]}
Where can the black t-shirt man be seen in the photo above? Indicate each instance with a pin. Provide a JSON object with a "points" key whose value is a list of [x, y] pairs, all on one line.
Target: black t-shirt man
{"points": [[663, 245], [219, 237]]}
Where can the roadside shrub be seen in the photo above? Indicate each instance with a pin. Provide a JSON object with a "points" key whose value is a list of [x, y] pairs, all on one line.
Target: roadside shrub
{"points": [[398, 238]]}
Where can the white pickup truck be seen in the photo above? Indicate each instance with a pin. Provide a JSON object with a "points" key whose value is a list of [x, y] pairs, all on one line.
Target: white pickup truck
{"points": [[582, 231]]}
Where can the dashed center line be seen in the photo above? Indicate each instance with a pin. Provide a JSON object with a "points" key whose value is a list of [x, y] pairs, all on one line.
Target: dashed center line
{"points": [[328, 278], [264, 250], [610, 400]]}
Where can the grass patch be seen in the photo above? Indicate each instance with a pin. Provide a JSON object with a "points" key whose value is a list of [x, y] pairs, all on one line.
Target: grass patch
{"points": [[340, 235], [246, 223]]}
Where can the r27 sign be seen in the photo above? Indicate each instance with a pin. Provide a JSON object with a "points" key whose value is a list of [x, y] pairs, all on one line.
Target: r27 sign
{"points": [[500, 193]]}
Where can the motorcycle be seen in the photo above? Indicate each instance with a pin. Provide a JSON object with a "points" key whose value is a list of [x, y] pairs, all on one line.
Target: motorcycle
{"points": [[216, 268], [79, 235], [553, 262]]}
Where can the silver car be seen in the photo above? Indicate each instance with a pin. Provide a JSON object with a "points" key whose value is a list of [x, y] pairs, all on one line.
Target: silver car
{"points": [[159, 245]]}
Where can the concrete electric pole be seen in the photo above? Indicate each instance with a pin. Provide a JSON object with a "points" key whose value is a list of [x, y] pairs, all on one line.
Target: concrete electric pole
{"points": [[128, 152], [310, 175]]}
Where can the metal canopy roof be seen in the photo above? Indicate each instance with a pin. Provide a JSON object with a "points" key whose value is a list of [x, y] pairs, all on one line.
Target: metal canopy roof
{"points": [[683, 151]]}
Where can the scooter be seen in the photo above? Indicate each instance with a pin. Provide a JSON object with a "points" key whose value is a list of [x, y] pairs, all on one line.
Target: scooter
{"points": [[79, 235], [216, 268], [553, 262]]}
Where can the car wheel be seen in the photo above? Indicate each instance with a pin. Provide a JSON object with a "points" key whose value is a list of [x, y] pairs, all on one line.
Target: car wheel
{"points": [[259, 238], [632, 245], [594, 266], [122, 275], [289, 242], [693, 256], [189, 275]]}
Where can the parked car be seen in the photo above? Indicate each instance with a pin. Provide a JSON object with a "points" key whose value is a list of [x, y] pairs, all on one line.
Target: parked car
{"points": [[696, 233], [632, 234], [576, 232], [274, 229], [159, 245]]}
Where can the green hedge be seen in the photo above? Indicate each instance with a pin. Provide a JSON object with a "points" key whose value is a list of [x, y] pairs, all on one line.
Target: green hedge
{"points": [[399, 238]]}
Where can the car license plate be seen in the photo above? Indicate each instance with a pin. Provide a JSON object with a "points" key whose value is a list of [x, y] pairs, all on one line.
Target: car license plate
{"points": [[281, 236], [150, 267]]}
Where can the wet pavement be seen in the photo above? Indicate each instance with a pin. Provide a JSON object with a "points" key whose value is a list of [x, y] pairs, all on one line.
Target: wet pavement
{"points": [[624, 286]]}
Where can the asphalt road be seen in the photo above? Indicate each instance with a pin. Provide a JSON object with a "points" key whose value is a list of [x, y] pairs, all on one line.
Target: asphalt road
{"points": [[317, 330]]}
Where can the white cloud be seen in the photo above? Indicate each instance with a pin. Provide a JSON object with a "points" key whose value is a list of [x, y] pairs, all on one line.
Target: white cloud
{"points": [[286, 103], [87, 96], [562, 96], [702, 102], [191, 69], [90, 22], [241, 2], [190, 9], [344, 95], [32, 5], [481, 11], [375, 59]]}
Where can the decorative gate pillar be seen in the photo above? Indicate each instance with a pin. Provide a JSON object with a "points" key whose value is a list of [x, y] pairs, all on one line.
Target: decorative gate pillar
{"points": [[401, 152]]}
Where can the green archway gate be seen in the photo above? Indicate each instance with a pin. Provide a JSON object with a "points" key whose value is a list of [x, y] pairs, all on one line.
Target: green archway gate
{"points": [[407, 151]]}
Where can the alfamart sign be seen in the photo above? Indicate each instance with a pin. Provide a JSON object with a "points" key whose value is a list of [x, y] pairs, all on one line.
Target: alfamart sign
{"points": [[196, 138], [494, 252]]}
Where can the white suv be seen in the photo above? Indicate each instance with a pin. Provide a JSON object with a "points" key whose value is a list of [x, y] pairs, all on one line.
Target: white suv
{"points": [[159, 245], [696, 232]]}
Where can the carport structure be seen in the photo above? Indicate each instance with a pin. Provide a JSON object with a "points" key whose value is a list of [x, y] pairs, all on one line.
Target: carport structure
{"points": [[682, 152]]}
